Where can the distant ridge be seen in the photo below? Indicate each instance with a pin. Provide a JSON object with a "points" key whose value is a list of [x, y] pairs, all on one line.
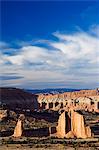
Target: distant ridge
{"points": [[51, 91], [14, 97]]}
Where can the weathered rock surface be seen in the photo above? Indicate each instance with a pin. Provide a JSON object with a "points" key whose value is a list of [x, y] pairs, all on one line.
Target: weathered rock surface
{"points": [[79, 100], [88, 131], [70, 134], [18, 129], [77, 125], [18, 98], [19, 126], [69, 95], [3, 114], [78, 128], [61, 126]]}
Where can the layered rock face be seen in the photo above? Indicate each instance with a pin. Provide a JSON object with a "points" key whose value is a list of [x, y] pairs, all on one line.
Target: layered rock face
{"points": [[80, 100], [19, 126], [69, 95]]}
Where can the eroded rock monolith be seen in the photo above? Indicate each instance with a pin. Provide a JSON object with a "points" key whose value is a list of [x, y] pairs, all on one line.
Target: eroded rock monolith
{"points": [[78, 126], [61, 126], [19, 126], [72, 125]]}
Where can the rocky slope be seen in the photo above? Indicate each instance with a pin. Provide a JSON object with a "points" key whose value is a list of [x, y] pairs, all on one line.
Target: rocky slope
{"points": [[17, 98]]}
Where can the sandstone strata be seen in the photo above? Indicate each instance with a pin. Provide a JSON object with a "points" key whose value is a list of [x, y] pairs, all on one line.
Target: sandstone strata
{"points": [[69, 95], [79, 100]]}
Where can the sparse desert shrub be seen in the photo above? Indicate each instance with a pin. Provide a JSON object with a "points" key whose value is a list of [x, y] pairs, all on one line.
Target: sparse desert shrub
{"points": [[7, 146], [39, 146], [53, 137], [64, 143], [10, 141], [24, 142], [30, 146], [2, 141], [51, 141], [76, 146], [28, 139], [43, 141]]}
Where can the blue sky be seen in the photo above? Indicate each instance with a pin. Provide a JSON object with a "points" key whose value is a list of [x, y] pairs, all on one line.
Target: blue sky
{"points": [[48, 44]]}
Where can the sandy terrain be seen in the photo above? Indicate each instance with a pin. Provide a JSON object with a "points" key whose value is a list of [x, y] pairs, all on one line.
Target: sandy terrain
{"points": [[44, 147]]}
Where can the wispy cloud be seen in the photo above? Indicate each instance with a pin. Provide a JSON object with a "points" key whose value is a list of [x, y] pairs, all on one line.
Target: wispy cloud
{"points": [[10, 77], [73, 56]]}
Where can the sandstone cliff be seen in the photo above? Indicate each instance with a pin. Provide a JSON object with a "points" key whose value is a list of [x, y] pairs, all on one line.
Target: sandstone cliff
{"points": [[69, 95]]}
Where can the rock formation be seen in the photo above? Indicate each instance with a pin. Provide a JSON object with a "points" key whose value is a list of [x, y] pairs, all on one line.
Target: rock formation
{"points": [[77, 128], [78, 100], [70, 134], [61, 126], [69, 95], [19, 126], [88, 131], [3, 114], [77, 125]]}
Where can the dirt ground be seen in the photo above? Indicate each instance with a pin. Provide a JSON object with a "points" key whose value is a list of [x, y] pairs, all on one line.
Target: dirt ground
{"points": [[9, 143], [44, 147]]}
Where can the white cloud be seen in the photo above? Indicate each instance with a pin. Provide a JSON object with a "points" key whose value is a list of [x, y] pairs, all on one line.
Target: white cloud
{"points": [[78, 43], [75, 56]]}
